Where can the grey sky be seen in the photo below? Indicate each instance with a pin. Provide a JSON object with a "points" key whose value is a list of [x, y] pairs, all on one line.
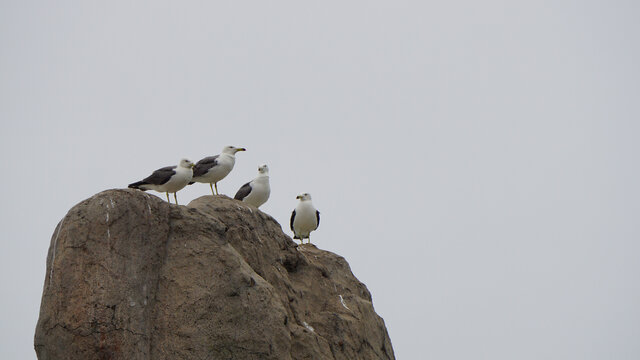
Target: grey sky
{"points": [[475, 162]]}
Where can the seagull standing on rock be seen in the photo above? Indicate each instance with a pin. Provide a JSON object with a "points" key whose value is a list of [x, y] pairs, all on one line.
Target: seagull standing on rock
{"points": [[169, 179], [215, 168], [304, 219], [256, 192]]}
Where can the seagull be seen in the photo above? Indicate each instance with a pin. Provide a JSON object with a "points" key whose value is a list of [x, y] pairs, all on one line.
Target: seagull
{"points": [[304, 219], [169, 179], [256, 192], [214, 168]]}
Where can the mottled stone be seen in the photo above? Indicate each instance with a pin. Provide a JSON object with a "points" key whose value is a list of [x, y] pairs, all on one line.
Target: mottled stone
{"points": [[131, 277]]}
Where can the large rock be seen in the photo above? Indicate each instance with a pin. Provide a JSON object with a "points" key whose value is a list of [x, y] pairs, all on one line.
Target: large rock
{"points": [[132, 277]]}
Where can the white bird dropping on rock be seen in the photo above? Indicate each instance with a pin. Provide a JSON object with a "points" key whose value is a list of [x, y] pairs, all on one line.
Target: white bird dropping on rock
{"points": [[305, 218]]}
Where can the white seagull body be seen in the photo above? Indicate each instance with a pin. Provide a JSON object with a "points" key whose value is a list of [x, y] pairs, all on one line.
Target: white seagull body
{"points": [[212, 169], [256, 192], [305, 218], [169, 179]]}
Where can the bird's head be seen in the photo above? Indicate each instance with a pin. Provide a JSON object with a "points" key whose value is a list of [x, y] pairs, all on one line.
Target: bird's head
{"points": [[186, 164], [263, 169], [232, 149], [304, 197]]}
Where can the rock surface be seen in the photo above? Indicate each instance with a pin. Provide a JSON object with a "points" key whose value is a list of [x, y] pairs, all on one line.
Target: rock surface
{"points": [[131, 277]]}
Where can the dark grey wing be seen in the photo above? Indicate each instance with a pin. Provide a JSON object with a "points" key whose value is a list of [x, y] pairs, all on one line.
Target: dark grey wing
{"points": [[204, 165], [293, 216], [317, 218], [243, 192], [160, 176]]}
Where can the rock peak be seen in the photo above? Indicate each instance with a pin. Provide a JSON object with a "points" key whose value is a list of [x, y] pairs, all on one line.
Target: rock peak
{"points": [[131, 277]]}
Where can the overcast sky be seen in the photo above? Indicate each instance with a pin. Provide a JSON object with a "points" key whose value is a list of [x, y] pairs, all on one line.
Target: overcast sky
{"points": [[475, 162]]}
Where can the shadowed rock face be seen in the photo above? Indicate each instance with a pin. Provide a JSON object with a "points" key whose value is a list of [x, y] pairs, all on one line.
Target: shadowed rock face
{"points": [[131, 277]]}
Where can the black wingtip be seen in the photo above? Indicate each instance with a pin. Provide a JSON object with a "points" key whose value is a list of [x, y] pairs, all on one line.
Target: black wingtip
{"points": [[243, 192], [136, 185]]}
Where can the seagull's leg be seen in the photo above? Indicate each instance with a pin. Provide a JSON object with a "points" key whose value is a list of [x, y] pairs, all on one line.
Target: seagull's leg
{"points": [[216, 185], [169, 201], [175, 195], [211, 186]]}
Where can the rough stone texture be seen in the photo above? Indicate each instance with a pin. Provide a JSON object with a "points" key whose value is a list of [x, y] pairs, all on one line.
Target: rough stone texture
{"points": [[131, 277]]}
